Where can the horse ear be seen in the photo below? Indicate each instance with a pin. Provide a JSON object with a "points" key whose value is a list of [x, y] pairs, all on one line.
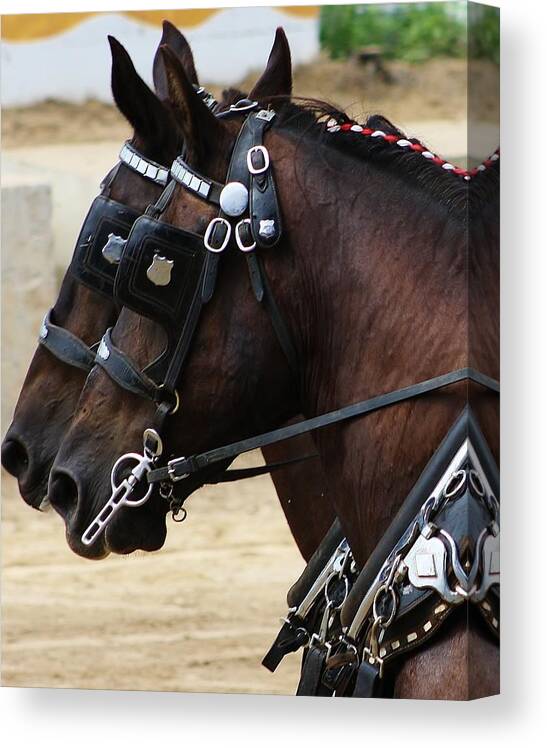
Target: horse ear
{"points": [[174, 39], [196, 122], [138, 104], [276, 80]]}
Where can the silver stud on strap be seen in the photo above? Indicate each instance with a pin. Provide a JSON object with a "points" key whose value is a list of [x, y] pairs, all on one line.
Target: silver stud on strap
{"points": [[234, 199], [267, 228], [103, 351], [43, 329]]}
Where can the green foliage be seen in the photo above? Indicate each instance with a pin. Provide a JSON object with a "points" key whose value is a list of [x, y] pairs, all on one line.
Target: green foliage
{"points": [[412, 32], [484, 33]]}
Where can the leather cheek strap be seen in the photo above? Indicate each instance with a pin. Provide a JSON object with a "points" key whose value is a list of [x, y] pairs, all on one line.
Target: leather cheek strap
{"points": [[65, 346], [263, 203], [123, 371]]}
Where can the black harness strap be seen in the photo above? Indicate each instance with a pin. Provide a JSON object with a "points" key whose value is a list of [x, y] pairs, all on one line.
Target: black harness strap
{"points": [[124, 372], [330, 542], [252, 472], [312, 670], [66, 346], [181, 467], [367, 681], [278, 321]]}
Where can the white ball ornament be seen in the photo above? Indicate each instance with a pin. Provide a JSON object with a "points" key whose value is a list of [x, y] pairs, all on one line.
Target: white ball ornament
{"points": [[234, 199]]}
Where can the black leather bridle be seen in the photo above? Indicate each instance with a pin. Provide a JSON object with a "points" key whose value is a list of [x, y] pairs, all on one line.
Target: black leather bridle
{"points": [[97, 254], [191, 261], [99, 246], [256, 224]]}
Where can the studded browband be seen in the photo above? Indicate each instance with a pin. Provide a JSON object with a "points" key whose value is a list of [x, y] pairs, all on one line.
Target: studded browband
{"points": [[147, 168], [142, 165]]}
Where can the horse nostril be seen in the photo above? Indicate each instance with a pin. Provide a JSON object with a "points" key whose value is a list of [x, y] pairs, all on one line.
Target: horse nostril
{"points": [[63, 493], [14, 457]]}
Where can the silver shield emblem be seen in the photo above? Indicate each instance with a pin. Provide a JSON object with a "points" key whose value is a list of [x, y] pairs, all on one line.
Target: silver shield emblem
{"points": [[267, 228], [112, 250], [159, 272]]}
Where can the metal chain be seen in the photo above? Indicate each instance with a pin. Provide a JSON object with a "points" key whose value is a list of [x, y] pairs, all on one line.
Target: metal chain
{"points": [[383, 618]]}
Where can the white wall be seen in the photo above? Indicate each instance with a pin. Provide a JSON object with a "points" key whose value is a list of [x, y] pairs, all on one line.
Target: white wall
{"points": [[75, 65], [28, 277]]}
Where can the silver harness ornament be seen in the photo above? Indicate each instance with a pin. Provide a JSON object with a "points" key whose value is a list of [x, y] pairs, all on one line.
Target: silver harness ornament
{"points": [[124, 484]]}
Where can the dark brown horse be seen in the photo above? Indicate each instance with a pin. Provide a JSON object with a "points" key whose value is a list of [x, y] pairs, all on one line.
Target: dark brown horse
{"points": [[52, 387], [381, 286]]}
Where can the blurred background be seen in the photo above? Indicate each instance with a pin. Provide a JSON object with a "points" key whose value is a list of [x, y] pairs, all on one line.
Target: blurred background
{"points": [[431, 68]]}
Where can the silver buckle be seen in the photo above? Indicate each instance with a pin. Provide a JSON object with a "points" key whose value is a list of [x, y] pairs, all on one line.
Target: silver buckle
{"points": [[173, 477], [209, 230], [243, 105], [244, 247], [258, 149]]}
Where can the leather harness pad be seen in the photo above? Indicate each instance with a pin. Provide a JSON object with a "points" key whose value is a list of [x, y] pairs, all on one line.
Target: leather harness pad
{"points": [[159, 272], [88, 265]]}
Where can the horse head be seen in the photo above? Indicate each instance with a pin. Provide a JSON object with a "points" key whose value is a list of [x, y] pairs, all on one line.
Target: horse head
{"points": [[233, 357]]}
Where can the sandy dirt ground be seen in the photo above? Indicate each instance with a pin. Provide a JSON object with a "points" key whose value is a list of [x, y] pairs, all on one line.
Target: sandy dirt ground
{"points": [[196, 616], [432, 91]]}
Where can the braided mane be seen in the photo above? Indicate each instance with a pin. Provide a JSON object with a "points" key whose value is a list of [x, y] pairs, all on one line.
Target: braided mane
{"points": [[379, 141]]}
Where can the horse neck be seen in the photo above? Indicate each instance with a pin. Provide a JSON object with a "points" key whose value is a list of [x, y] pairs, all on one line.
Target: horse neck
{"points": [[382, 303]]}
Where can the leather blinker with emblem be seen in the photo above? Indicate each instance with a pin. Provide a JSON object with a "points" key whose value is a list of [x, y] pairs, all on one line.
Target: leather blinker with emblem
{"points": [[159, 271], [100, 244]]}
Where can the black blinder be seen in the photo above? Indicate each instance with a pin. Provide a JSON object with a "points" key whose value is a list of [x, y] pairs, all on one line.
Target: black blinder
{"points": [[107, 223], [160, 271]]}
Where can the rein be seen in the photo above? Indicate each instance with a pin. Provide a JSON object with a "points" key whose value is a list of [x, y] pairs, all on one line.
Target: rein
{"points": [[178, 469]]}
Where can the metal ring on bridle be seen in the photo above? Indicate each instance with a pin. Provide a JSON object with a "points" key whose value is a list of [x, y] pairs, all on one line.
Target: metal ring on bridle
{"points": [[175, 510], [176, 405], [125, 460], [151, 437], [209, 231], [244, 247], [175, 397], [476, 483], [330, 601], [384, 620], [455, 483], [266, 156], [166, 491], [243, 105]]}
